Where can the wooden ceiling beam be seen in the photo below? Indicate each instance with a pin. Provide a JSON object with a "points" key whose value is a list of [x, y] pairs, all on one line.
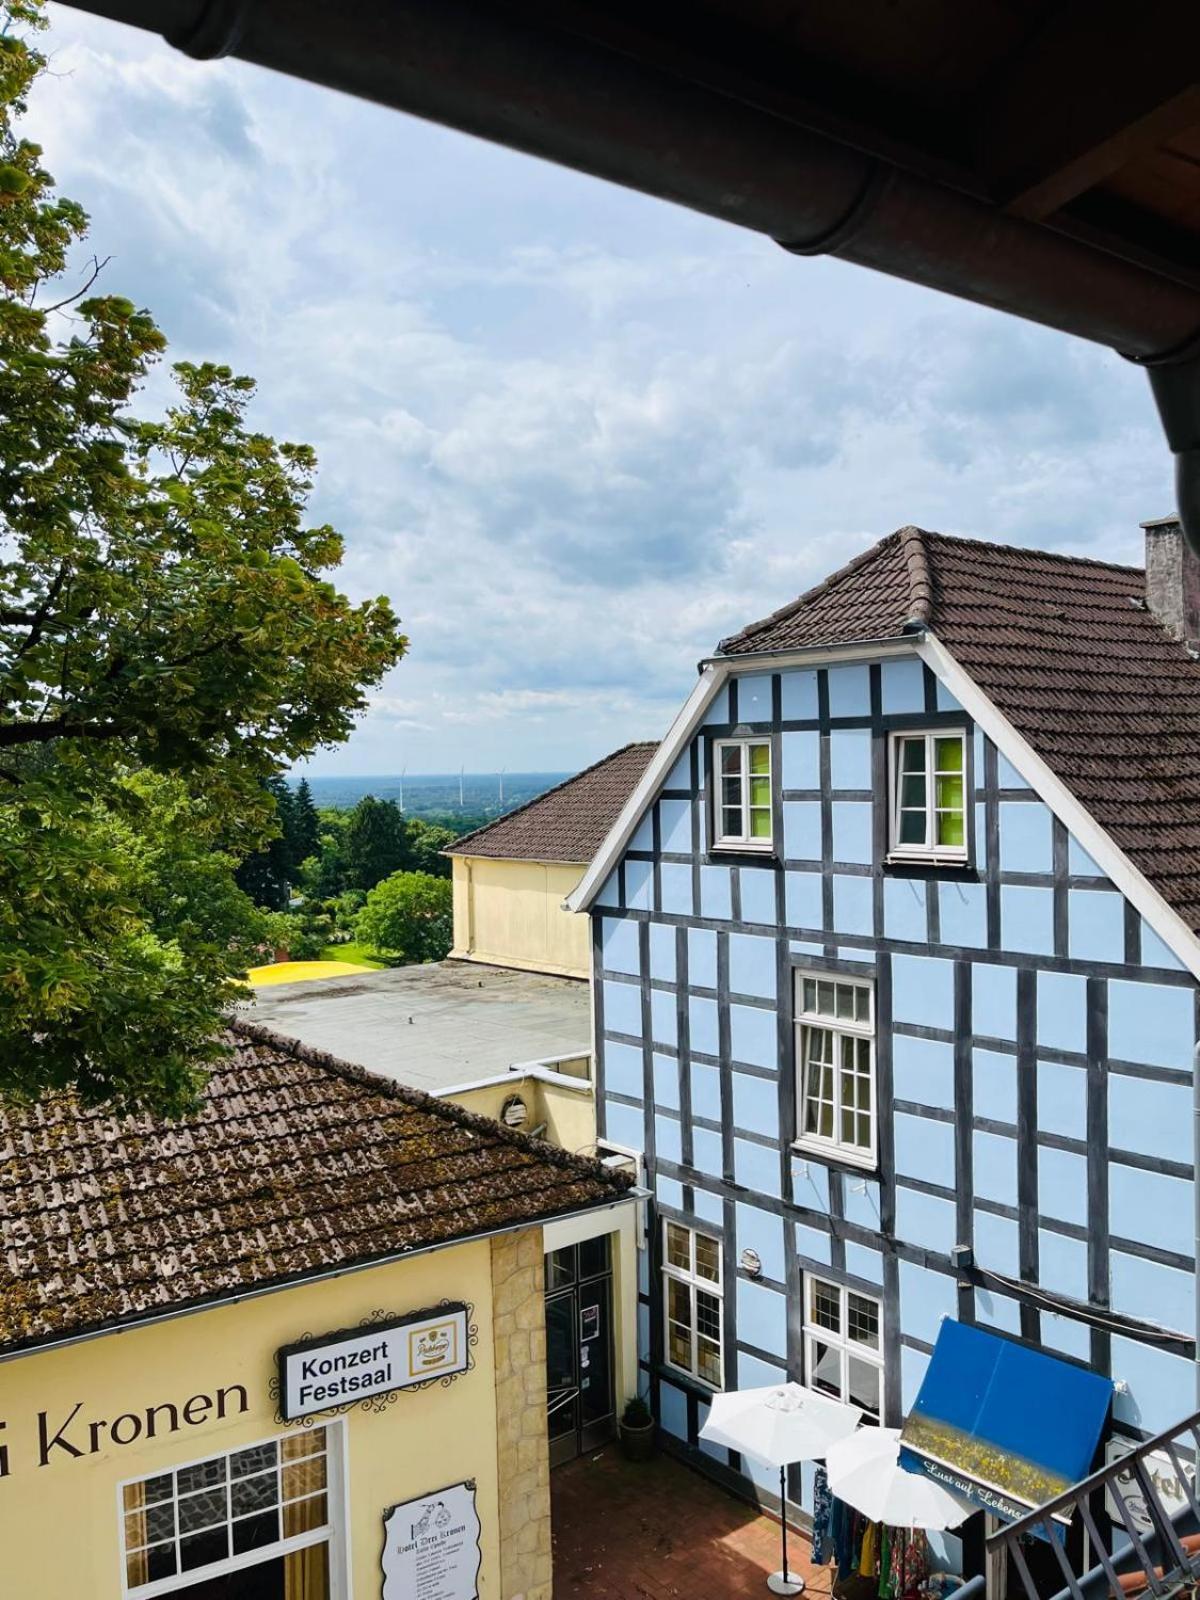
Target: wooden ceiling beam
{"points": [[1092, 88]]}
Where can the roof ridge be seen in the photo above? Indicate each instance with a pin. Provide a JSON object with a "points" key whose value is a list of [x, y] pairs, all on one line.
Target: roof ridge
{"points": [[920, 575], [419, 1099], [784, 612], [476, 833]]}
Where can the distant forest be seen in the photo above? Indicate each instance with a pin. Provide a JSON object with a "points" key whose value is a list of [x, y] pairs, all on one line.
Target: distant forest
{"points": [[435, 797]]}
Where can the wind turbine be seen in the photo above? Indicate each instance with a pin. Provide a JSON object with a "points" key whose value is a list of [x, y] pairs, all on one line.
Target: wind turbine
{"points": [[461, 770], [403, 770], [503, 770]]}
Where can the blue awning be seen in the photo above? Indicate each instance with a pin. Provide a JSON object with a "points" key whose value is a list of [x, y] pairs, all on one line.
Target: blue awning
{"points": [[1004, 1425]]}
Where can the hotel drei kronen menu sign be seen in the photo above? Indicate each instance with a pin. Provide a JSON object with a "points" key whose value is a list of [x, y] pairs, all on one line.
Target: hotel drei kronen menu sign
{"points": [[431, 1547], [344, 1368]]}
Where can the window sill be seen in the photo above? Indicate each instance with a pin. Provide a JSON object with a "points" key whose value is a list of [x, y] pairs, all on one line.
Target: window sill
{"points": [[737, 847], [680, 1375], [866, 1165], [955, 868]]}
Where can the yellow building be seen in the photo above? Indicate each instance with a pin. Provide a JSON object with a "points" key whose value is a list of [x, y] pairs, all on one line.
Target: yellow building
{"points": [[512, 876], [291, 1348]]}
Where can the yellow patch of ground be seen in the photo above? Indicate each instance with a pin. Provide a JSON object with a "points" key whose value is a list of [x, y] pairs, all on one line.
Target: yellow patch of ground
{"points": [[302, 972]]}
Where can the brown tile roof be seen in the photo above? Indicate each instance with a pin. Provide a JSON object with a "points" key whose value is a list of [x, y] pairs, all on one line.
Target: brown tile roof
{"points": [[294, 1163], [1065, 648], [569, 822]]}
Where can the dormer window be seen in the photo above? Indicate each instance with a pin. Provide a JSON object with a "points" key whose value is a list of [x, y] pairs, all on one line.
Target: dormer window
{"points": [[929, 796], [742, 812]]}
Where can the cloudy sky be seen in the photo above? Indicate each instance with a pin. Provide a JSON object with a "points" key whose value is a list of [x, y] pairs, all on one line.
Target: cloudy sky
{"points": [[575, 434]]}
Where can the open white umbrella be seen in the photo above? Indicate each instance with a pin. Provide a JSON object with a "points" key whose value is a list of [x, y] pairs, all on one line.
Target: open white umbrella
{"points": [[779, 1425], [864, 1470]]}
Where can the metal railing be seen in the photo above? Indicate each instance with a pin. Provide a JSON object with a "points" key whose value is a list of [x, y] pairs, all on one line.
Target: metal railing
{"points": [[1160, 1553]]}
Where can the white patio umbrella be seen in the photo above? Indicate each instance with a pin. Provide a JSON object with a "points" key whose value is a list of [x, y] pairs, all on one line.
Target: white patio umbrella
{"points": [[864, 1470], [778, 1426]]}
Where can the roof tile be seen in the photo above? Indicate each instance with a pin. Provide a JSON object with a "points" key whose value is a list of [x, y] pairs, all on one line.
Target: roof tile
{"points": [[1066, 649], [293, 1163]]}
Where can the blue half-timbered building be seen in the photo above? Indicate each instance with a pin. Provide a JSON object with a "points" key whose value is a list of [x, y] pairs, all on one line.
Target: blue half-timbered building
{"points": [[895, 963]]}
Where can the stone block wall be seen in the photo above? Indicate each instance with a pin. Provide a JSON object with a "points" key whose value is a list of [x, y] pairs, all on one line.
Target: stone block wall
{"points": [[519, 1321]]}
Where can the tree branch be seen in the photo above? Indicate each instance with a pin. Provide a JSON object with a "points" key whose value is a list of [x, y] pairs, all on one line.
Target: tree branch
{"points": [[98, 267], [15, 733]]}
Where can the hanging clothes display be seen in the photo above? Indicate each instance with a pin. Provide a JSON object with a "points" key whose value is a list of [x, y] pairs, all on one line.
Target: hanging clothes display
{"points": [[872, 1561], [821, 1518]]}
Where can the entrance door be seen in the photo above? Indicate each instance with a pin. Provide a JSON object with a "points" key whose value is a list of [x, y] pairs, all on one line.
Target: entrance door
{"points": [[580, 1398]]}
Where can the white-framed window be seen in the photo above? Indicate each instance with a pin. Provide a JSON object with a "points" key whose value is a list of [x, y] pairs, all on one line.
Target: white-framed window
{"points": [[742, 806], [928, 775], [275, 1504], [843, 1344], [835, 1058], [692, 1304]]}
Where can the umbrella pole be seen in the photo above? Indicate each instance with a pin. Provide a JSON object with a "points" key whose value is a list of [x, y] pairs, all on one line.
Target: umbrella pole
{"points": [[782, 1582]]}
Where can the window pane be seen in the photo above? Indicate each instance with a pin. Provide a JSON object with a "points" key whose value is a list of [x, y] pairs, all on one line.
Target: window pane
{"points": [[708, 1315], [254, 1532], [912, 793], [302, 1516], [845, 1001], [253, 1494], [242, 1463], [912, 755], [949, 755], [679, 1246], [202, 1549], [863, 1382], [148, 1491], [709, 1362], [825, 1305], [303, 1477], [825, 1368], [912, 827], [862, 1005], [148, 1566], [560, 1268], [731, 758], [951, 828], [198, 1511], [731, 822], [825, 1003], [760, 791], [731, 791], [679, 1303], [308, 1443], [950, 794], [679, 1345], [760, 824], [708, 1258], [202, 1476], [810, 995], [862, 1320], [760, 758]]}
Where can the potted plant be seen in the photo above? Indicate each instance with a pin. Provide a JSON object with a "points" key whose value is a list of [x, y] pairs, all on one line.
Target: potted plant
{"points": [[637, 1430]]}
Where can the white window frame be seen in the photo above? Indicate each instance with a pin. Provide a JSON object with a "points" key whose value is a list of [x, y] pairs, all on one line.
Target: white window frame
{"points": [[694, 1283], [743, 840], [839, 1027], [815, 1333], [929, 851], [334, 1533]]}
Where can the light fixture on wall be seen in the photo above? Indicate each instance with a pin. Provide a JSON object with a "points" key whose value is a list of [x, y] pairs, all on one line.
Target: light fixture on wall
{"points": [[751, 1263], [514, 1112]]}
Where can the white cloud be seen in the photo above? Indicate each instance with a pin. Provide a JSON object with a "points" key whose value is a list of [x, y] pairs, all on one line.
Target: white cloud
{"points": [[576, 435]]}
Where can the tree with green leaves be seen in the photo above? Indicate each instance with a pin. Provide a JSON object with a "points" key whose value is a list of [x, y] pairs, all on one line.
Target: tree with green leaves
{"points": [[305, 823], [165, 609], [426, 841], [268, 874], [409, 917], [374, 844]]}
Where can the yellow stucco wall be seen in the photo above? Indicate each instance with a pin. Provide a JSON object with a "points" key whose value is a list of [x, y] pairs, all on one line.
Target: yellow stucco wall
{"points": [[566, 1112], [59, 1528], [509, 914]]}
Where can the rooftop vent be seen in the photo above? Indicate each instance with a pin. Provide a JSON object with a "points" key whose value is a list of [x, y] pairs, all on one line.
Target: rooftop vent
{"points": [[1172, 579]]}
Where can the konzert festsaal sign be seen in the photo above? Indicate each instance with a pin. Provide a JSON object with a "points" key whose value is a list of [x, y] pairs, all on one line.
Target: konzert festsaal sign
{"points": [[343, 1368]]}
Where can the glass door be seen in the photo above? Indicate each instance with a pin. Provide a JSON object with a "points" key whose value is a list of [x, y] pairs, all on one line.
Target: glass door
{"points": [[580, 1394]]}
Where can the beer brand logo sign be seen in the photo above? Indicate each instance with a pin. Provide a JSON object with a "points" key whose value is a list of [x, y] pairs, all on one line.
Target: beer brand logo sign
{"points": [[355, 1364]]}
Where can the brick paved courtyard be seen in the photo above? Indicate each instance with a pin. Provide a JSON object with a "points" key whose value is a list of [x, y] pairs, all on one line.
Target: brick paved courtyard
{"points": [[657, 1531]]}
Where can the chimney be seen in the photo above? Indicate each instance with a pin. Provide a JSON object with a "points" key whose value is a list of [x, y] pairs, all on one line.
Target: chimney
{"points": [[1172, 579]]}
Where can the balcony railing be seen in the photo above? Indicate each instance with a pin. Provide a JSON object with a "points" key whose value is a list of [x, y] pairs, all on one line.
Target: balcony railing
{"points": [[1160, 1552]]}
